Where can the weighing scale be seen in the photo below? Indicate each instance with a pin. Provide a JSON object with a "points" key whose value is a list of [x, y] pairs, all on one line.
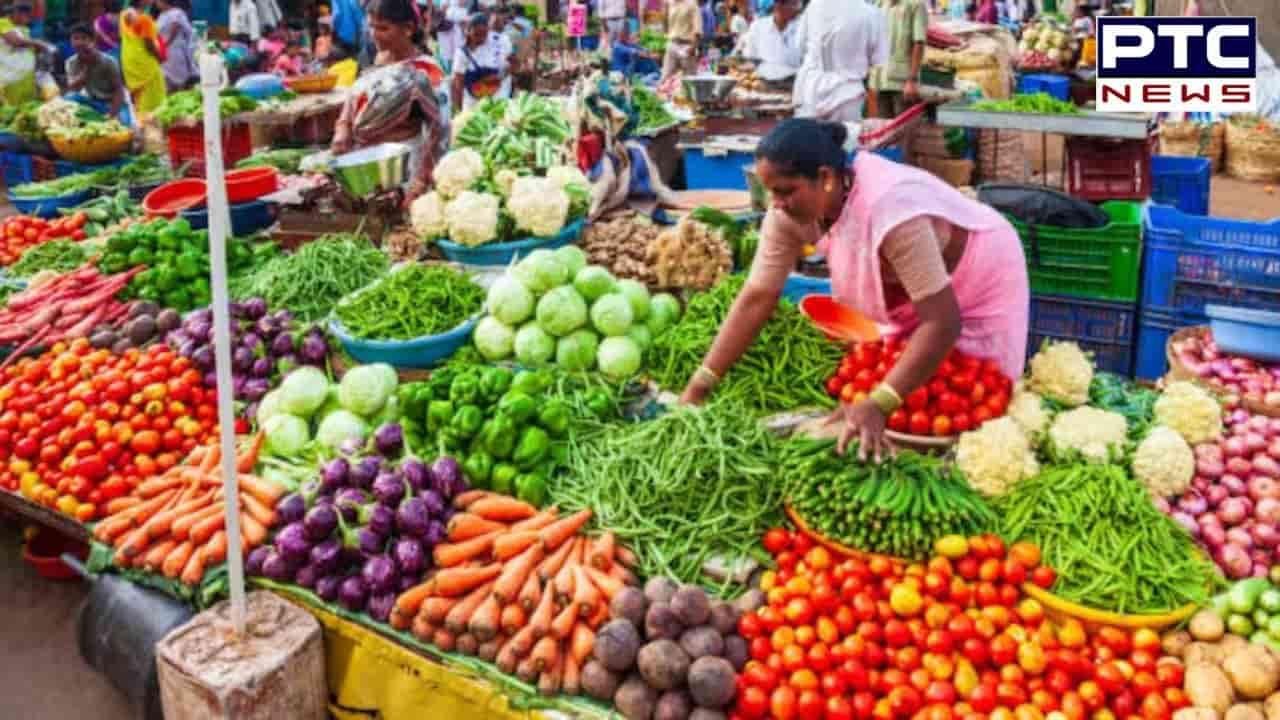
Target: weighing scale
{"points": [[372, 180]]}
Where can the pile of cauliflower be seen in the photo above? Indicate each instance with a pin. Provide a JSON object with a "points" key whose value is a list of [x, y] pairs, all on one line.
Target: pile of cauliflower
{"points": [[1098, 435], [996, 456], [1191, 411], [1062, 372], [468, 206], [1164, 463]]}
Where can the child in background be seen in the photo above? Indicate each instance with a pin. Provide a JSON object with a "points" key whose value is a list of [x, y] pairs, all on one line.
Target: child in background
{"points": [[324, 39], [292, 62]]}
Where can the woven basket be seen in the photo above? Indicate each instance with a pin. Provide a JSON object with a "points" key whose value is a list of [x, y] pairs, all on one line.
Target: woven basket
{"points": [[1178, 371], [1190, 139], [312, 83], [1253, 153], [92, 151]]}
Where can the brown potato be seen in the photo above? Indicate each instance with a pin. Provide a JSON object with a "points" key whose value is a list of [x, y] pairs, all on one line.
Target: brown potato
{"points": [[1208, 687], [1253, 672]]}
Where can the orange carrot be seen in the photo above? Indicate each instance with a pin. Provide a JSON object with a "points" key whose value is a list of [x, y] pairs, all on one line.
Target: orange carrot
{"points": [[122, 559], [608, 586], [203, 530], [156, 555], [457, 619], [545, 653], [563, 584], [268, 491], [523, 641], [484, 622], [254, 532], [260, 512], [585, 595], [549, 683], [601, 557], [525, 670], [245, 462], [135, 543], [502, 508], [537, 522], [562, 625], [488, 651], [410, 600], [531, 593], [515, 572], [452, 582], [215, 551], [212, 457], [540, 620], [564, 528], [624, 555], [177, 560], [581, 643], [422, 629], [436, 608], [156, 485], [513, 618], [160, 523], [620, 573], [465, 526], [121, 504], [181, 527], [571, 682], [600, 617], [194, 570], [551, 566], [196, 456], [452, 554], [507, 658], [113, 527], [463, 501], [399, 621], [511, 544], [444, 640], [466, 644]]}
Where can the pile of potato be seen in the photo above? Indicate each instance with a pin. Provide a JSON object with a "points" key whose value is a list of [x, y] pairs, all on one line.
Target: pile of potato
{"points": [[1227, 677]]}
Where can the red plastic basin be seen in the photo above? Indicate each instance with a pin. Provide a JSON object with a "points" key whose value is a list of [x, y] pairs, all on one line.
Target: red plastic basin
{"points": [[44, 550], [172, 198], [251, 183], [838, 321]]}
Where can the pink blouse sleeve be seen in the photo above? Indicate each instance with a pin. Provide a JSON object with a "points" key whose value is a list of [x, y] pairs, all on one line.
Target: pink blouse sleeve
{"points": [[914, 251], [775, 258]]}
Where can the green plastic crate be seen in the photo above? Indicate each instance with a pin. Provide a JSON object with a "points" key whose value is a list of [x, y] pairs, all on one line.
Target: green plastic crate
{"points": [[1096, 264]]}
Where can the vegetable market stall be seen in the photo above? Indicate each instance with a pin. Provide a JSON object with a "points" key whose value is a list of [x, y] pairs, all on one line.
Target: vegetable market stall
{"points": [[307, 119]]}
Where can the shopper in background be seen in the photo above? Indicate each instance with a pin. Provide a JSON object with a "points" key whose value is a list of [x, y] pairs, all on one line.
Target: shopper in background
{"points": [[450, 31], [141, 52], [481, 66], [93, 78], [897, 81], [987, 12], [179, 39], [18, 56], [244, 21], [773, 39], [106, 28], [738, 25], [685, 30], [613, 16], [841, 42]]}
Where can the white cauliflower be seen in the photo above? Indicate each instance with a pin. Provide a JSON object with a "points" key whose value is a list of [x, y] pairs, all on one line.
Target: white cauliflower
{"points": [[995, 457], [458, 122], [1061, 371], [472, 218], [426, 214], [1096, 434], [1027, 409], [564, 175], [1164, 462], [538, 205], [1191, 411], [504, 179], [458, 171]]}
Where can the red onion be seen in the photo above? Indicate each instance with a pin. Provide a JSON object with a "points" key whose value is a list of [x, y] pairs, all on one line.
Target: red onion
{"points": [[1222, 368], [1209, 520], [1213, 536], [1261, 486], [1233, 484], [1266, 465], [1234, 446], [1187, 522], [1210, 450], [1238, 416], [1239, 466], [1230, 402], [1235, 561], [1240, 429], [1233, 511], [1265, 535], [1200, 483], [1259, 423], [1162, 504], [1273, 428], [1253, 442], [1209, 467], [1193, 503], [1267, 511], [1274, 448], [1216, 494], [1242, 363], [1240, 537]]}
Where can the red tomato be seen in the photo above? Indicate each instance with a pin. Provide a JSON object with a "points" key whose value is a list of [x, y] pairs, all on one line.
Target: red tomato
{"points": [[1044, 576], [919, 423], [980, 415], [1013, 572], [918, 399], [810, 705], [983, 698], [782, 703], [898, 421], [1154, 707], [834, 384], [1170, 674], [839, 708], [753, 703], [1110, 678], [941, 426], [904, 700], [776, 540]]}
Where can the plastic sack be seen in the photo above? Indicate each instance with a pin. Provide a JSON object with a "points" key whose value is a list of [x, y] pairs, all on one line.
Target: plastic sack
{"points": [[1036, 205]]}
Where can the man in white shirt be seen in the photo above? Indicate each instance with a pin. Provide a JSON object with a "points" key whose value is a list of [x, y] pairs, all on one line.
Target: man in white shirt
{"points": [[773, 40], [613, 15], [841, 42]]}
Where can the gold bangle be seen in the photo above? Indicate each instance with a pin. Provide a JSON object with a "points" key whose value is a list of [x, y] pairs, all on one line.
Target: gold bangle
{"points": [[885, 398], [704, 371]]}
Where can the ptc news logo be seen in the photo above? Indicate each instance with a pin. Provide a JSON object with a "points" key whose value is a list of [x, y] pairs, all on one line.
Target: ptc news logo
{"points": [[1167, 64]]}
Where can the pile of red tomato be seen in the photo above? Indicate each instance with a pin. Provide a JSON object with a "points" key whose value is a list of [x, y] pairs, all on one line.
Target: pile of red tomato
{"points": [[21, 232], [81, 426], [873, 638], [964, 393]]}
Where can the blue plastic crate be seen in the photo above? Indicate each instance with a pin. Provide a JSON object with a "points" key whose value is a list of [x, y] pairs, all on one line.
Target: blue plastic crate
{"points": [[17, 168], [1182, 182], [1192, 261], [800, 285], [1155, 326], [1105, 329], [48, 207], [1059, 86], [1246, 332], [717, 171]]}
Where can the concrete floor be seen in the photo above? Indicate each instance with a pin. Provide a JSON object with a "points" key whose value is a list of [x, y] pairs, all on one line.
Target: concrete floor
{"points": [[41, 674]]}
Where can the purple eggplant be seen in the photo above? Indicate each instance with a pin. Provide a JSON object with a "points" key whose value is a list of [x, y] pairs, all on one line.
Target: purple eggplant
{"points": [[262, 368], [203, 357], [255, 388], [275, 567], [253, 564], [320, 522], [379, 574], [409, 556], [446, 477], [389, 439], [210, 379], [388, 488], [255, 308], [380, 605], [327, 556], [267, 327], [292, 508], [333, 476], [352, 593], [203, 314], [314, 348], [187, 347], [378, 517], [242, 359], [364, 472], [351, 446], [311, 491], [292, 544], [251, 342], [327, 587], [307, 576], [348, 502], [417, 473], [201, 331], [435, 504], [284, 317], [413, 518], [436, 533], [282, 345]]}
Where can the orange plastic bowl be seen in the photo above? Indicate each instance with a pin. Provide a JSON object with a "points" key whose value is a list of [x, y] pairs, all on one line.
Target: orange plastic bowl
{"points": [[172, 198], [838, 321]]}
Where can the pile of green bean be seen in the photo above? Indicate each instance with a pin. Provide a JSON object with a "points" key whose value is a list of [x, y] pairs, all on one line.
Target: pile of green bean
{"points": [[687, 486], [56, 255], [899, 507], [784, 369], [1111, 547], [312, 280], [412, 302]]}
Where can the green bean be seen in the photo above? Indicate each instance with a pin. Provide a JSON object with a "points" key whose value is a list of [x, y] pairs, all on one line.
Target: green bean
{"points": [[312, 280], [414, 301], [56, 255]]}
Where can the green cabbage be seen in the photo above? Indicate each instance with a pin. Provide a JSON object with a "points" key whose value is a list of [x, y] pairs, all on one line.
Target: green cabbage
{"points": [[664, 311], [641, 335], [339, 425], [303, 391], [573, 259], [268, 407], [365, 388], [562, 311], [594, 282], [639, 297], [577, 350], [611, 315], [494, 339], [287, 435], [510, 301], [618, 357], [541, 271], [533, 345]]}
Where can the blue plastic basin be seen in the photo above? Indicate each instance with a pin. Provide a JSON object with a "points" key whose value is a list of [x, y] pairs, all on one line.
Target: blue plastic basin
{"points": [[246, 218], [1242, 331], [417, 353], [48, 207], [504, 253]]}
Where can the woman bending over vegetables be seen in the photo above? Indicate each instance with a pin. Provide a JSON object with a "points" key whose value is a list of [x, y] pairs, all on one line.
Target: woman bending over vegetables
{"points": [[905, 249]]}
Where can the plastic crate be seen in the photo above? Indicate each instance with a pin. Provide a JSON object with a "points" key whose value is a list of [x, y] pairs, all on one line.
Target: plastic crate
{"points": [[1155, 326], [17, 168], [1106, 169], [1059, 86], [1182, 182], [1095, 264], [716, 171], [1103, 328], [1193, 261], [186, 144]]}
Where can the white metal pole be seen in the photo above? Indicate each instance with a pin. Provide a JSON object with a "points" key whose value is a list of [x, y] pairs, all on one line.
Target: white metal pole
{"points": [[219, 222]]}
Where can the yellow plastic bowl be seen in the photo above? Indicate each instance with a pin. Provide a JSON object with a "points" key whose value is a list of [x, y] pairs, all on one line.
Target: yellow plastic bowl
{"points": [[92, 151]]}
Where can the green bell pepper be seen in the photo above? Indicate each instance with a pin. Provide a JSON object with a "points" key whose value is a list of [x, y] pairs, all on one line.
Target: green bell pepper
{"points": [[503, 478], [600, 404], [518, 406], [531, 382], [494, 382], [532, 488], [114, 262], [559, 454], [439, 415], [439, 382], [413, 436], [478, 467], [533, 448], [178, 299], [465, 389], [501, 438], [451, 442], [140, 256], [555, 417], [169, 239], [467, 421], [165, 279], [121, 243], [414, 398], [201, 294], [188, 266]]}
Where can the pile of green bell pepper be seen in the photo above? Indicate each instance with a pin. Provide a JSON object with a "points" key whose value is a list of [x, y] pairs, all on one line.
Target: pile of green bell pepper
{"points": [[177, 261], [507, 433]]}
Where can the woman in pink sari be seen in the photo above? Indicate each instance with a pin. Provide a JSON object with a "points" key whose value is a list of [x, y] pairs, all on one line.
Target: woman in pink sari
{"points": [[906, 250]]}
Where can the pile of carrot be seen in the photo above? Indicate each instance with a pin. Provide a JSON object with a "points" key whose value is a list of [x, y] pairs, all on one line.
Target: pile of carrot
{"points": [[174, 523], [523, 588]]}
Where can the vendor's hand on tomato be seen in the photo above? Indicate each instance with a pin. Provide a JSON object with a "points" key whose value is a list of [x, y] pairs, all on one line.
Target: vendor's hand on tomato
{"points": [[862, 420]]}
